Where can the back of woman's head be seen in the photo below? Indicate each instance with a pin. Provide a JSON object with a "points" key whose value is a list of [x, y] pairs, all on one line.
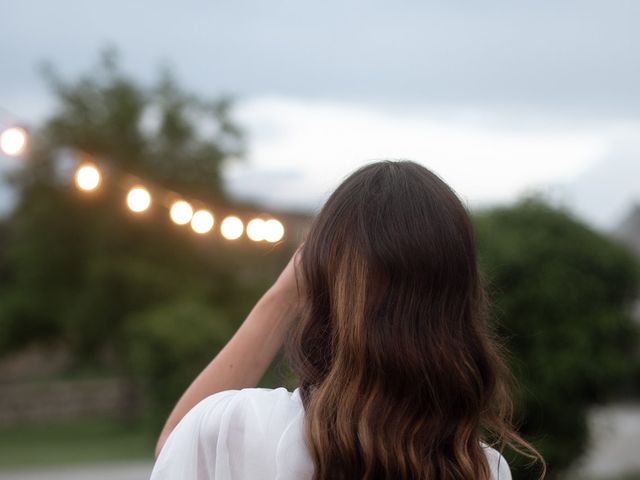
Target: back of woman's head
{"points": [[399, 374]]}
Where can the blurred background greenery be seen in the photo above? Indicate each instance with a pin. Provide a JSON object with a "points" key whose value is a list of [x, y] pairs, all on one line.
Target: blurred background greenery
{"points": [[96, 304]]}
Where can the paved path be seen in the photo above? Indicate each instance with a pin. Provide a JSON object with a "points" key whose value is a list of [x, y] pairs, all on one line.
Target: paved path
{"points": [[122, 471]]}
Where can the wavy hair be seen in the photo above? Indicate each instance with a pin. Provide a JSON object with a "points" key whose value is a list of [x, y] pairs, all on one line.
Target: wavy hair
{"points": [[400, 374]]}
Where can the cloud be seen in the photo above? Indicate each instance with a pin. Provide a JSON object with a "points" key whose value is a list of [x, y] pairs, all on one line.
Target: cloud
{"points": [[485, 160]]}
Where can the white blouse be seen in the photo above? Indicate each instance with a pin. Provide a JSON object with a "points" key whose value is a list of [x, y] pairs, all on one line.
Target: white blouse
{"points": [[248, 434]]}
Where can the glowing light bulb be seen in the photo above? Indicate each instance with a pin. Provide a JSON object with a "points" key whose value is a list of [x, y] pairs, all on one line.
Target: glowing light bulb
{"points": [[181, 212], [13, 141], [88, 177], [231, 228], [138, 199], [202, 221], [273, 230], [255, 229]]}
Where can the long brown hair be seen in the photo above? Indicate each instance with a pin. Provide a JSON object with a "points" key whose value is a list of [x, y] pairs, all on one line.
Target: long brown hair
{"points": [[400, 374]]}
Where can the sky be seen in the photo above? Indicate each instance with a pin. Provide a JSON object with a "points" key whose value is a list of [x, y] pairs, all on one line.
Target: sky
{"points": [[500, 98]]}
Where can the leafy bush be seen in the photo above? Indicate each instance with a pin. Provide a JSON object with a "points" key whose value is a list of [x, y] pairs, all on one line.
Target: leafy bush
{"points": [[562, 296], [168, 346]]}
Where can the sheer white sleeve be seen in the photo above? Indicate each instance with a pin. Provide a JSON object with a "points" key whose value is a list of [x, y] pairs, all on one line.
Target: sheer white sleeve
{"points": [[497, 463], [237, 435], [191, 452]]}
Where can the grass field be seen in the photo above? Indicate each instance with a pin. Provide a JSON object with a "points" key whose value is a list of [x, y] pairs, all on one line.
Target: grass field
{"points": [[86, 442]]}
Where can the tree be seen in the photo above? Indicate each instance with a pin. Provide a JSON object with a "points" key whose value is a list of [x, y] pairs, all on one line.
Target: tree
{"points": [[79, 270], [562, 296]]}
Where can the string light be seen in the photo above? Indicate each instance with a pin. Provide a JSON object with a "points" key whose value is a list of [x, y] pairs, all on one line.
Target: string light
{"points": [[138, 199], [231, 228], [181, 212], [202, 221], [255, 229], [13, 141], [88, 177], [273, 230]]}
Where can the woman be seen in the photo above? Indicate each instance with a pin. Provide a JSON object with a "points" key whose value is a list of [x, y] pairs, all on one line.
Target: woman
{"points": [[385, 322]]}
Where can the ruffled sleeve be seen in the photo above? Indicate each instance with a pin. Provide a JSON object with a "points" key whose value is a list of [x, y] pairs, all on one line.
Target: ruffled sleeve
{"points": [[192, 452], [238, 435]]}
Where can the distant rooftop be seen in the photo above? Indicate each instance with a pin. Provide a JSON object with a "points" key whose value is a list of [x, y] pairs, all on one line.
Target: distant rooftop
{"points": [[629, 230]]}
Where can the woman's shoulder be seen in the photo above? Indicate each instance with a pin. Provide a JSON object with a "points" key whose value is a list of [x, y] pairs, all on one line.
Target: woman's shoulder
{"points": [[279, 394], [268, 397], [215, 435], [248, 409], [257, 409], [249, 396]]}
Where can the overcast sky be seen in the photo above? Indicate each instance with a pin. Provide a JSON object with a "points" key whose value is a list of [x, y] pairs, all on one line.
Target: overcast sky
{"points": [[499, 98]]}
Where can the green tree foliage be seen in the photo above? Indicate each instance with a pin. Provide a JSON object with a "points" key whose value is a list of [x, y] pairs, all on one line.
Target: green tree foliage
{"points": [[80, 269], [562, 296], [162, 376]]}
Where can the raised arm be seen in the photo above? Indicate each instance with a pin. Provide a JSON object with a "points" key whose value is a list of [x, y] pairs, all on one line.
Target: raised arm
{"points": [[246, 357]]}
